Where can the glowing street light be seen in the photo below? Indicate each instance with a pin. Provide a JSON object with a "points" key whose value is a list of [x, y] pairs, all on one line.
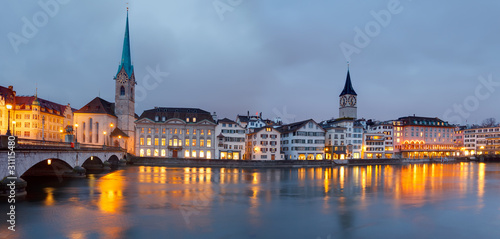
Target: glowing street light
{"points": [[9, 107], [76, 130]]}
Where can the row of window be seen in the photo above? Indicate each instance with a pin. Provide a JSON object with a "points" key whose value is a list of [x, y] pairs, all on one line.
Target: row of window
{"points": [[177, 131], [176, 142], [232, 131], [187, 153]]}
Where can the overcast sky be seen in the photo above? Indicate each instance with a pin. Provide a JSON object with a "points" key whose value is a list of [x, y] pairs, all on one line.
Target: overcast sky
{"points": [[280, 57]]}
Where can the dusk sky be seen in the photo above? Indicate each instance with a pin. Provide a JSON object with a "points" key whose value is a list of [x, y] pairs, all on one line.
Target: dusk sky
{"points": [[281, 57]]}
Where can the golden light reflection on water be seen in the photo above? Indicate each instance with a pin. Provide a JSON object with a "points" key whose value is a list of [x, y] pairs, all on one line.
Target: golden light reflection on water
{"points": [[49, 199], [111, 188]]}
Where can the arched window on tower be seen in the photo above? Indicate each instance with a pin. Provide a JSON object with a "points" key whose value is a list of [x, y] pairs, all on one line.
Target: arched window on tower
{"points": [[122, 90]]}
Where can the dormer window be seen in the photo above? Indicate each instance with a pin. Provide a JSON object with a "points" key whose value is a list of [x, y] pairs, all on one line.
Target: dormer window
{"points": [[187, 120], [163, 118], [194, 119], [157, 118]]}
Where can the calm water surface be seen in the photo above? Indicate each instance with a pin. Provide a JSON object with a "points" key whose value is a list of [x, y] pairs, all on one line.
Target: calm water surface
{"points": [[459, 200]]}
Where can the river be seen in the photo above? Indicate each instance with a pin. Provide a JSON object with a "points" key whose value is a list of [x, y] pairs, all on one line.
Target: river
{"points": [[458, 200]]}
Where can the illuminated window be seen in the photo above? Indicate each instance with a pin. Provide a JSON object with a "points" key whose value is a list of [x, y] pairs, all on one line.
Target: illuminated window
{"points": [[175, 131], [141, 141], [193, 154], [170, 131], [194, 119], [209, 143], [156, 141], [202, 143], [202, 132], [194, 142], [187, 120], [149, 130], [175, 142], [148, 141], [163, 142], [148, 152], [187, 131], [163, 131], [141, 152], [209, 154], [186, 154], [163, 153], [268, 129], [187, 142], [202, 154], [209, 133], [169, 142], [156, 153], [194, 131]]}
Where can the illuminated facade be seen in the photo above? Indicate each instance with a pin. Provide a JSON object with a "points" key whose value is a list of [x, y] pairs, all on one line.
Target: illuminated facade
{"points": [[335, 143], [263, 144], [378, 141], [34, 118], [423, 137], [176, 133], [484, 140], [303, 140], [353, 135], [230, 140]]}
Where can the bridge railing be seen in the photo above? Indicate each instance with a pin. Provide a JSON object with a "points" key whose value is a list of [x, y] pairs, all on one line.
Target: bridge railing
{"points": [[57, 145]]}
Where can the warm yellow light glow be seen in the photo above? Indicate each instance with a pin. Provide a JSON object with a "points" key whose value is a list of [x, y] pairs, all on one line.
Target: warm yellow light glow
{"points": [[104, 132], [13, 122], [60, 130], [76, 125], [49, 161], [9, 107], [256, 149], [482, 147], [111, 125], [91, 157], [119, 136]]}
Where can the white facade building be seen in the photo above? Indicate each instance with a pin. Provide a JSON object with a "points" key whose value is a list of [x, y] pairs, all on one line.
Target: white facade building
{"points": [[230, 140], [175, 133], [263, 144], [304, 140]]}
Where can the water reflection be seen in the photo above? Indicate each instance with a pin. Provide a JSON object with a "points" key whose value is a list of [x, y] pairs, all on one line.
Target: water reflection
{"points": [[199, 201]]}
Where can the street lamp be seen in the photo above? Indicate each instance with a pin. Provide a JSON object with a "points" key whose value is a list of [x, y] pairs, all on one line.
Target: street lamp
{"points": [[104, 143], [14, 128], [76, 130], [9, 107]]}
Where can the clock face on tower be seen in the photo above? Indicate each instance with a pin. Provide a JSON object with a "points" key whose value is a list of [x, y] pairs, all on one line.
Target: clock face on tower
{"points": [[122, 78], [343, 101], [352, 100]]}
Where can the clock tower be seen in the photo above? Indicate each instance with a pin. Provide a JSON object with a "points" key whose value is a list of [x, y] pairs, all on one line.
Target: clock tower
{"points": [[348, 100], [125, 93]]}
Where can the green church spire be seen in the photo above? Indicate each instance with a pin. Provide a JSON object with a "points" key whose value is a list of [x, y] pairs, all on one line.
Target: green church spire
{"points": [[126, 59]]}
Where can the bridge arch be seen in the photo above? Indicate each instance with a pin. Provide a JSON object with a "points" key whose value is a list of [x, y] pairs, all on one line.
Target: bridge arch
{"points": [[48, 167]]}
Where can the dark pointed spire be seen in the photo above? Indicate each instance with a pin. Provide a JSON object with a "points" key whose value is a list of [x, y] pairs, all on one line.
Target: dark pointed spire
{"points": [[348, 89], [126, 59]]}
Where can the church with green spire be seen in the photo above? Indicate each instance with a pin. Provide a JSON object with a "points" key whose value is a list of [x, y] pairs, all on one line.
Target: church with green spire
{"points": [[102, 122]]}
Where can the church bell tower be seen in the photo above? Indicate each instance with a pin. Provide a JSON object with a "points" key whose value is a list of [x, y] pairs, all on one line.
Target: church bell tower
{"points": [[125, 93], [348, 100]]}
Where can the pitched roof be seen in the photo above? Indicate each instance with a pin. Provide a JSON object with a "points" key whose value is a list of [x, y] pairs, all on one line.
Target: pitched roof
{"points": [[348, 89], [118, 132], [226, 120], [98, 106], [424, 121], [8, 94], [24, 101], [179, 113], [126, 61], [295, 126]]}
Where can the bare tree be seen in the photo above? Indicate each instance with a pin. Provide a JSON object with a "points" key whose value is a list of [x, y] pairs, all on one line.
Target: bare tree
{"points": [[489, 122]]}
